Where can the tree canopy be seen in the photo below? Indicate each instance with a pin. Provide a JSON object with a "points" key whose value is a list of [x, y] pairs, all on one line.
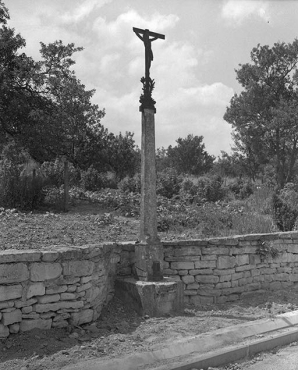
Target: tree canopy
{"points": [[263, 115], [189, 156]]}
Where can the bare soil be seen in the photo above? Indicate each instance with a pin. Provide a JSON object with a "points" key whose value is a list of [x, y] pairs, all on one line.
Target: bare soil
{"points": [[119, 330]]}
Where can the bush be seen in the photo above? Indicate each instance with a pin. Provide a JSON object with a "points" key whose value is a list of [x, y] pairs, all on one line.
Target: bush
{"points": [[241, 189], [131, 184], [168, 183], [284, 208], [210, 189], [53, 173], [18, 188]]}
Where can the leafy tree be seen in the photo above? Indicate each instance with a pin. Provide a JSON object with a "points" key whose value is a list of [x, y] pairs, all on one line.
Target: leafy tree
{"points": [[43, 105], [4, 15], [263, 115], [190, 156], [235, 165], [123, 157]]}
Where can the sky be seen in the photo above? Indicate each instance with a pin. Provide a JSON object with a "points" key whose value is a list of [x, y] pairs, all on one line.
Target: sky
{"points": [[193, 68]]}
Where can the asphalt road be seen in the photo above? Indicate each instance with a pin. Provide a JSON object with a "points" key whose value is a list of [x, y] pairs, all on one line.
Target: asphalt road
{"points": [[284, 359]]}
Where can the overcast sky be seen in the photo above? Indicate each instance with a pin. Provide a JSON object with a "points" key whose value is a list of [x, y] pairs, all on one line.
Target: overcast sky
{"points": [[205, 40]]}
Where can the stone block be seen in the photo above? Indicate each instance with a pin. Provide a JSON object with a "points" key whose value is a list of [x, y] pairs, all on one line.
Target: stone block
{"points": [[10, 292], [9, 318], [26, 325], [188, 251], [226, 284], [275, 285], [29, 302], [190, 292], [45, 271], [242, 259], [224, 272], [49, 298], [208, 292], [67, 296], [221, 299], [31, 315], [14, 328], [213, 257], [15, 255], [200, 272], [255, 272], [151, 298], [293, 278], [60, 324], [6, 304], [245, 281], [56, 289], [67, 280], [57, 306], [237, 275], [193, 286], [93, 293], [78, 268], [282, 277], [4, 331], [215, 250], [226, 262], [205, 264], [26, 310], [49, 256], [188, 279], [253, 286], [35, 289], [182, 265], [13, 273], [224, 278], [71, 288], [244, 268], [83, 287], [229, 291], [85, 279], [208, 279], [233, 297], [183, 272], [82, 317]]}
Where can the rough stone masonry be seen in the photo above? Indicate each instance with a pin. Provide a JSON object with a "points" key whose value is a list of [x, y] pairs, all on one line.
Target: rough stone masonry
{"points": [[56, 288]]}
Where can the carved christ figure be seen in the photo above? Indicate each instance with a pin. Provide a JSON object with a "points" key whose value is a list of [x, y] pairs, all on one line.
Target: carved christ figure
{"points": [[147, 44]]}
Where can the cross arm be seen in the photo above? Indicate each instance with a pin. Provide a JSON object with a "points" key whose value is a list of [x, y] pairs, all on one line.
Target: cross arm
{"points": [[154, 34]]}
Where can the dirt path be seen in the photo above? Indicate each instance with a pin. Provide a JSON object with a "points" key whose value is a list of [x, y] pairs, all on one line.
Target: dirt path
{"points": [[120, 331]]}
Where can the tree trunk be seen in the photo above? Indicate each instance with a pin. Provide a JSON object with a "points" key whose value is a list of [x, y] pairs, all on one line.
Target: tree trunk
{"points": [[66, 186]]}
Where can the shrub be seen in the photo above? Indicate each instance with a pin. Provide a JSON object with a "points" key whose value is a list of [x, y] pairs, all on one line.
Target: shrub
{"points": [[285, 211], [168, 183], [18, 188], [131, 184], [241, 189], [53, 173], [210, 189]]}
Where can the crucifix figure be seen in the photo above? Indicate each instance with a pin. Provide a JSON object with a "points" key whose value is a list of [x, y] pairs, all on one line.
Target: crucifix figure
{"points": [[147, 43], [148, 84]]}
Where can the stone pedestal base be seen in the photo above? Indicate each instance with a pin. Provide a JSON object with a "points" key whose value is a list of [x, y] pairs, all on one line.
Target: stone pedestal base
{"points": [[151, 298], [149, 261]]}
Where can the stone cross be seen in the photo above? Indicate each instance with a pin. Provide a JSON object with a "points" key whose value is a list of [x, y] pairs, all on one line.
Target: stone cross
{"points": [[149, 251]]}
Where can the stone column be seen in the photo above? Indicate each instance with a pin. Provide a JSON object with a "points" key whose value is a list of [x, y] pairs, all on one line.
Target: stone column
{"points": [[149, 252]]}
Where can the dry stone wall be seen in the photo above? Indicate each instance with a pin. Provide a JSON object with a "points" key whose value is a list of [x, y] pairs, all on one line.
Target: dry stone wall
{"points": [[69, 286], [227, 269], [55, 288]]}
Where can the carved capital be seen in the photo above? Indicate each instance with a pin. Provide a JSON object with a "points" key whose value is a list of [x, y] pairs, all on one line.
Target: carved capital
{"points": [[146, 100]]}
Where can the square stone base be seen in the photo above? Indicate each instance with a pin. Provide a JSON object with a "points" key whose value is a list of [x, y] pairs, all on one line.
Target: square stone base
{"points": [[151, 298]]}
